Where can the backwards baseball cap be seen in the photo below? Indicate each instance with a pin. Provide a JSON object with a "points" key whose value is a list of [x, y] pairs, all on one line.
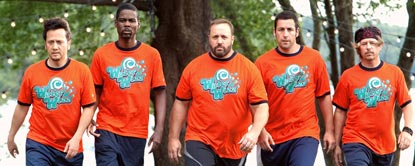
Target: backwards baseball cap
{"points": [[367, 32]]}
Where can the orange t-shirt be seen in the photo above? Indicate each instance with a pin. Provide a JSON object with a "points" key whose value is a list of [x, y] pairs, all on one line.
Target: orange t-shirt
{"points": [[293, 81], [221, 93], [57, 96], [369, 96], [126, 77]]}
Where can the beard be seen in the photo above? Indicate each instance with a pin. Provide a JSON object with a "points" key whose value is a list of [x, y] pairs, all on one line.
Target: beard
{"points": [[220, 53]]}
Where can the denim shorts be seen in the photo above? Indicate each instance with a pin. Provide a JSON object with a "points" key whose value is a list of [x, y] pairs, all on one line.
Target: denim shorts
{"points": [[39, 154]]}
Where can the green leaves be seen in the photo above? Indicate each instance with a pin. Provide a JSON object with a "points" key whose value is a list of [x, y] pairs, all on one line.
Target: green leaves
{"points": [[252, 22], [24, 44]]}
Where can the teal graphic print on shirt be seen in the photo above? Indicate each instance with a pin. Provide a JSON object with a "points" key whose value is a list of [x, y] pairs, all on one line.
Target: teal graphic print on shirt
{"points": [[56, 92], [223, 82], [294, 77], [128, 72], [374, 92]]}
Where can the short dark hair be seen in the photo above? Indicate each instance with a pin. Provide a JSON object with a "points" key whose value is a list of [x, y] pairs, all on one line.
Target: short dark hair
{"points": [[125, 6], [54, 24], [286, 15], [222, 21]]}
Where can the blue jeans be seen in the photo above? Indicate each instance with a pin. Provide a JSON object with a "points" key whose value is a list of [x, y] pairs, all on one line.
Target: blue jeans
{"points": [[297, 152], [39, 154], [112, 149], [199, 154], [357, 154]]}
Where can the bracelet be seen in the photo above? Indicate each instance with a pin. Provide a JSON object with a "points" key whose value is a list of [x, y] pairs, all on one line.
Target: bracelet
{"points": [[408, 130]]}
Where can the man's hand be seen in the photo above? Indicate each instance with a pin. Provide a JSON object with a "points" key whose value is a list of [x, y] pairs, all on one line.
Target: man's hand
{"points": [[11, 145], [404, 140], [71, 148], [265, 141], [329, 142], [91, 129], [338, 156], [248, 142], [174, 149], [155, 141]]}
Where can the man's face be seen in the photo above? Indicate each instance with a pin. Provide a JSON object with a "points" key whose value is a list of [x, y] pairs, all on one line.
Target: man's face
{"points": [[57, 45], [369, 49], [286, 34], [127, 24], [220, 40]]}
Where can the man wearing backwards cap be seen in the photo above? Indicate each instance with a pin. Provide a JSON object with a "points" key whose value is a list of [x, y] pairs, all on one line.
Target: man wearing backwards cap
{"points": [[365, 98]]}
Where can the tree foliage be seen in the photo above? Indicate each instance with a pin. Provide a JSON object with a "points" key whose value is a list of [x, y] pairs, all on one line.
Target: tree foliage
{"points": [[23, 43], [253, 23]]}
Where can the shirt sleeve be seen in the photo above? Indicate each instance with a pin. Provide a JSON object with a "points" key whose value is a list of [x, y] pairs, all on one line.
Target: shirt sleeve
{"points": [[183, 90], [158, 75], [257, 93], [403, 96], [340, 97], [95, 70], [321, 78], [25, 93], [88, 90]]}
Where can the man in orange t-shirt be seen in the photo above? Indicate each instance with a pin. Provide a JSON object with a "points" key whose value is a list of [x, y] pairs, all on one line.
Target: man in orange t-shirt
{"points": [[220, 101], [125, 72], [294, 76], [365, 99], [58, 88]]}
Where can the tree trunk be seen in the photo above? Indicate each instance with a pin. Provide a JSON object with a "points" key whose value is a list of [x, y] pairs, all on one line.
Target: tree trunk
{"points": [[344, 15], [316, 45], [327, 157], [330, 37], [397, 116], [316, 25], [331, 43], [180, 37], [405, 63]]}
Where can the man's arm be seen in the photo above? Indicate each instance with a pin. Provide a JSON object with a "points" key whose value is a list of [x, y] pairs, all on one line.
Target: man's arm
{"points": [[72, 145], [327, 112], [408, 115], [178, 116], [160, 110], [260, 117], [98, 92], [339, 122], [405, 138], [19, 115]]}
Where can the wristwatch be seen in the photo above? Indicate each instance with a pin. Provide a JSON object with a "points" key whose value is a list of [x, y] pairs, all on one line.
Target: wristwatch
{"points": [[408, 130]]}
